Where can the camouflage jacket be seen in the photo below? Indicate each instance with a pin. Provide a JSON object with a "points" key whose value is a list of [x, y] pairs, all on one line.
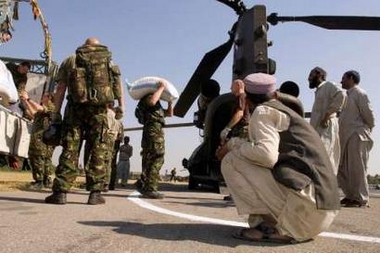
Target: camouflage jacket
{"points": [[151, 114], [41, 122]]}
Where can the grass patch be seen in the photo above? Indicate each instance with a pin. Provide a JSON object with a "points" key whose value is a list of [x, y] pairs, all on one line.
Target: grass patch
{"points": [[15, 180]]}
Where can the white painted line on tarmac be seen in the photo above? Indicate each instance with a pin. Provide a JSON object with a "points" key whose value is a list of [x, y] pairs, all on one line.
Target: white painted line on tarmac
{"points": [[358, 238], [134, 198]]}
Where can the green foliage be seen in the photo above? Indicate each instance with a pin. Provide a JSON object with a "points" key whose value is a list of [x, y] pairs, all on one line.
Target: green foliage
{"points": [[373, 179]]}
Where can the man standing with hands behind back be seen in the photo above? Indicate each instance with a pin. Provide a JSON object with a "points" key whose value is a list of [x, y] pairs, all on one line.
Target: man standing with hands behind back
{"points": [[329, 99], [123, 166], [356, 123]]}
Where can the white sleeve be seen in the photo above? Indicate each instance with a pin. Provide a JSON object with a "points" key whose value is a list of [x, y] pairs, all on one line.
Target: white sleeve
{"points": [[264, 127]]}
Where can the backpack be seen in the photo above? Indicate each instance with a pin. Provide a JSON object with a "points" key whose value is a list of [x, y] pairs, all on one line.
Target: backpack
{"points": [[92, 79], [140, 113]]}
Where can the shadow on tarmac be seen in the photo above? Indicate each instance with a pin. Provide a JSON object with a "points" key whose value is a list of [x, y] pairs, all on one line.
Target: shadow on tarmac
{"points": [[28, 200], [37, 201], [212, 234]]}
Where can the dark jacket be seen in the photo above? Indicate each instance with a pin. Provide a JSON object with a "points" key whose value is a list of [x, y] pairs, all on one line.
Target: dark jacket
{"points": [[303, 159]]}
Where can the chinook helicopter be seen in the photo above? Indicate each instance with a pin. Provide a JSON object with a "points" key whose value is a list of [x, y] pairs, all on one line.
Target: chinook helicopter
{"points": [[248, 38]]}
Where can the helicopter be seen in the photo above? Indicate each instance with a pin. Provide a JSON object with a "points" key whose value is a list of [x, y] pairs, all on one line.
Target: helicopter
{"points": [[248, 38]]}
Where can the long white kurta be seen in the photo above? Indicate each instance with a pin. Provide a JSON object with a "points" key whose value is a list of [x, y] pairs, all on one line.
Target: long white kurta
{"points": [[247, 172], [329, 99], [356, 122]]}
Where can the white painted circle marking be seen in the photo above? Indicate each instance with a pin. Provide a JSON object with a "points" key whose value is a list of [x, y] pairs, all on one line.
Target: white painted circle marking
{"points": [[134, 198]]}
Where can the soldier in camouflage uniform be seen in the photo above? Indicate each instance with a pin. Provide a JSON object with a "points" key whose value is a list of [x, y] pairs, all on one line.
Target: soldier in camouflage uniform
{"points": [[20, 78], [238, 125], [40, 154], [153, 142], [80, 118], [19, 74], [115, 134]]}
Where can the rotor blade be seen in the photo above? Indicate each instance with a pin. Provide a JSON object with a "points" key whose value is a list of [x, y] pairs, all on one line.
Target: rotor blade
{"points": [[206, 68], [237, 5], [333, 22]]}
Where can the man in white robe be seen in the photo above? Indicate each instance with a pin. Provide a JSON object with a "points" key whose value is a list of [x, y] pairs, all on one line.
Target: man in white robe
{"points": [[253, 171], [329, 99], [356, 123]]}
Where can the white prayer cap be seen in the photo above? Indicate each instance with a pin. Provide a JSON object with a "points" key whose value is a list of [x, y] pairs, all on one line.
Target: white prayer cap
{"points": [[260, 83]]}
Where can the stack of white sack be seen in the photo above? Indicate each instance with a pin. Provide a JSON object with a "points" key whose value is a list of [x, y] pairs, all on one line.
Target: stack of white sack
{"points": [[148, 85], [8, 91]]}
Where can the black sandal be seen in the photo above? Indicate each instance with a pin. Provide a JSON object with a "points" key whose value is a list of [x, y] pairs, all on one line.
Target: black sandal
{"points": [[264, 237]]}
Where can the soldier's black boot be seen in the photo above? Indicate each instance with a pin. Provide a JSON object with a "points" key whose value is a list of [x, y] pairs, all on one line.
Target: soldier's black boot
{"points": [[57, 197], [152, 195], [139, 184], [47, 182], [37, 185], [95, 198]]}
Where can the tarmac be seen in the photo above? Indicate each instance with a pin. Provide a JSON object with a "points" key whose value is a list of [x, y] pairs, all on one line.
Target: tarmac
{"points": [[184, 221]]}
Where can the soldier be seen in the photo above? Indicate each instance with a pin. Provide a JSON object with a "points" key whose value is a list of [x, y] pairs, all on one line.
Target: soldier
{"points": [[173, 174], [19, 74], [288, 95], [116, 134], [290, 87], [39, 153], [152, 115], [209, 91], [112, 140], [237, 127], [92, 82]]}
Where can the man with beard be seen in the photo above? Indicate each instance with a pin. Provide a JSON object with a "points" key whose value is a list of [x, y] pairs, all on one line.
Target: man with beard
{"points": [[328, 102]]}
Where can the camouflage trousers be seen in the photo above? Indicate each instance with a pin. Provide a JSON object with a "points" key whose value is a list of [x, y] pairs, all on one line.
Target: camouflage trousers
{"points": [[83, 122], [151, 166], [109, 141], [40, 155], [153, 151], [42, 166]]}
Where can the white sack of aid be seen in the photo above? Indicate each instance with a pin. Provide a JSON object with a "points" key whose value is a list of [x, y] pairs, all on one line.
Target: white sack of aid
{"points": [[149, 84], [8, 91]]}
